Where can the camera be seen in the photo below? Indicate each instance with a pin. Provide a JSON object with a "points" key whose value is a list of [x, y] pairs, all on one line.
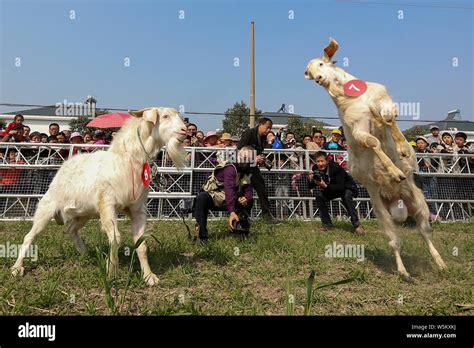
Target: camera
{"points": [[268, 164], [243, 225], [318, 176]]}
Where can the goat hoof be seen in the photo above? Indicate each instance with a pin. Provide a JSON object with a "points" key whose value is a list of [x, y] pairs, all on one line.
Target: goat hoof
{"points": [[17, 271], [151, 279], [398, 176], [441, 265], [407, 278]]}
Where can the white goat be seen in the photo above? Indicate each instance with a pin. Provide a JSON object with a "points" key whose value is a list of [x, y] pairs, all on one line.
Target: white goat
{"points": [[104, 183], [379, 156]]}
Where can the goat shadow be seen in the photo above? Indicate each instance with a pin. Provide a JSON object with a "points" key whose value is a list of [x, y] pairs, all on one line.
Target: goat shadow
{"points": [[385, 261]]}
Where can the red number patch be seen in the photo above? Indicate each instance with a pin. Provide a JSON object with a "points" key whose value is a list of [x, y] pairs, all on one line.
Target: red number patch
{"points": [[146, 175]]}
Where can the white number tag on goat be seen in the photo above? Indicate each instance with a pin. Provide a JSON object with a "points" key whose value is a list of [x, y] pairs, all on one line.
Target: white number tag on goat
{"points": [[146, 175]]}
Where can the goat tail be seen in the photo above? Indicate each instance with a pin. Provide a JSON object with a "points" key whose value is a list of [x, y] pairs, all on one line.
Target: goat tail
{"points": [[398, 210]]}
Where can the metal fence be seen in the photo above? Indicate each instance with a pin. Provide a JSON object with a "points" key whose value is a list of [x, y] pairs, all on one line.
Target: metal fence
{"points": [[27, 169]]}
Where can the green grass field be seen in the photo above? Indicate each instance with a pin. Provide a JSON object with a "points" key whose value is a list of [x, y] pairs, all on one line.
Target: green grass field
{"points": [[265, 274]]}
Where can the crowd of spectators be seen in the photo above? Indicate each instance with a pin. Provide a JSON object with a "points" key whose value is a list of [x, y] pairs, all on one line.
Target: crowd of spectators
{"points": [[17, 131], [286, 185]]}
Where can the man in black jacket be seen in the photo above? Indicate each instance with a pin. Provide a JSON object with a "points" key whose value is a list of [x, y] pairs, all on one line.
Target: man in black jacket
{"points": [[256, 138], [334, 182]]}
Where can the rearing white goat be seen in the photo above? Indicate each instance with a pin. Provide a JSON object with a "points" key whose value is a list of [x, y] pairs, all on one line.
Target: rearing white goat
{"points": [[379, 156], [104, 183]]}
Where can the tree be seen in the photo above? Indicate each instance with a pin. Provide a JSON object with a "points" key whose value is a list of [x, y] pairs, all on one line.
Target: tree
{"points": [[295, 125], [2, 124], [80, 124], [236, 119], [413, 132], [300, 128], [312, 125]]}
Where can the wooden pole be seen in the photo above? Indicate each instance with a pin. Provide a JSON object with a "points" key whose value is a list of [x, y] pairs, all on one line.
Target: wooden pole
{"points": [[252, 76]]}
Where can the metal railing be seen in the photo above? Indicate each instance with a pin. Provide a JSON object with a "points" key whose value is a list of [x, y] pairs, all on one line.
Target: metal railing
{"points": [[446, 179]]}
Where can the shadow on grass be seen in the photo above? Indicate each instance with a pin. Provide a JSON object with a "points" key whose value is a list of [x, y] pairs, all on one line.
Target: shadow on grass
{"points": [[385, 260]]}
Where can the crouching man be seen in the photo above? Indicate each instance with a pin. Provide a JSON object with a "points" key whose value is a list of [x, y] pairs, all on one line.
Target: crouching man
{"points": [[334, 182], [227, 188]]}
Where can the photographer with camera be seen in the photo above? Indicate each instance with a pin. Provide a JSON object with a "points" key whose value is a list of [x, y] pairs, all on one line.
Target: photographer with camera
{"points": [[227, 188], [256, 139], [333, 182]]}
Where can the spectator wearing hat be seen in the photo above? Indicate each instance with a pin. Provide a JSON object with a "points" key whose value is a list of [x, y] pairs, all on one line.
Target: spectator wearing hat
{"points": [[211, 139], [424, 163], [450, 148], [460, 140], [226, 139], [462, 149], [435, 137], [429, 184], [235, 140], [75, 138], [333, 144]]}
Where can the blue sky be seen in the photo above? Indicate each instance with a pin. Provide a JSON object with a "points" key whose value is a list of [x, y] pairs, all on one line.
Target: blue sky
{"points": [[190, 61]]}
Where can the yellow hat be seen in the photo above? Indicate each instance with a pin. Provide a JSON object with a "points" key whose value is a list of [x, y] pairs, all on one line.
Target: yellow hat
{"points": [[337, 131], [226, 136]]}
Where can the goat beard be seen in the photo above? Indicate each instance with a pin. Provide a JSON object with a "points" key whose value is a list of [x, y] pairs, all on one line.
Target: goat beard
{"points": [[176, 152]]}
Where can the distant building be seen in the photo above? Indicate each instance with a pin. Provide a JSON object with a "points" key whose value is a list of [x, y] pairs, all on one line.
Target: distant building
{"points": [[280, 119], [454, 123], [38, 119]]}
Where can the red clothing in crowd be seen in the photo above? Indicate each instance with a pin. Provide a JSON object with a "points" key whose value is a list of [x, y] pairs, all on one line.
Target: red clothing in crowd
{"points": [[10, 176]]}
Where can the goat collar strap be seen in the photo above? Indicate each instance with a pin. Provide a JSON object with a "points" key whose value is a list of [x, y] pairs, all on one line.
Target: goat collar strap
{"points": [[143, 146]]}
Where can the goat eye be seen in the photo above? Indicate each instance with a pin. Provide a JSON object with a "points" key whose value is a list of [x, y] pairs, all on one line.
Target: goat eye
{"points": [[320, 64]]}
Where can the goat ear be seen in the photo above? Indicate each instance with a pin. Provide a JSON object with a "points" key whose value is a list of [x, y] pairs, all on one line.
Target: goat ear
{"points": [[151, 115], [330, 50], [137, 113]]}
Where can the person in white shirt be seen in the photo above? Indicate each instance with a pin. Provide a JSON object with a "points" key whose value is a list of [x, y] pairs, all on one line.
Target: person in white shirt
{"points": [[435, 137]]}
